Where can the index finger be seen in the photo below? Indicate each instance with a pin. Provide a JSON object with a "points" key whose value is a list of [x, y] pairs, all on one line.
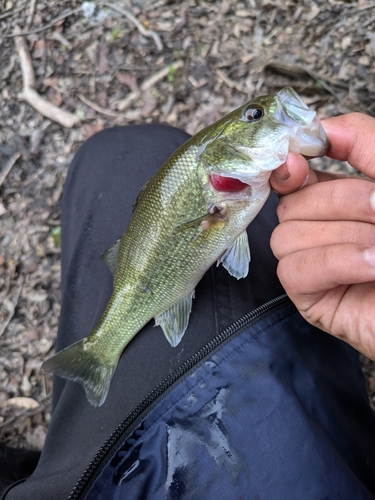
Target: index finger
{"points": [[341, 199]]}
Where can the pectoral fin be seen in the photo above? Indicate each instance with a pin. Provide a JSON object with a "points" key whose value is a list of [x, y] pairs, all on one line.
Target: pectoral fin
{"points": [[110, 256], [216, 215], [175, 320], [237, 257]]}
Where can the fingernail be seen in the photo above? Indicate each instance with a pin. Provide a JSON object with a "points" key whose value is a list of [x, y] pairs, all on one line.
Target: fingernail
{"points": [[369, 255], [372, 199], [305, 181], [282, 173]]}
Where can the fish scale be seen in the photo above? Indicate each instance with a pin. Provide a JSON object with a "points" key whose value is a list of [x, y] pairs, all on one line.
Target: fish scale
{"points": [[182, 223]]}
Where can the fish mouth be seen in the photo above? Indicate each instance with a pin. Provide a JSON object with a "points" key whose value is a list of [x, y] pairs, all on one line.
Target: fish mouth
{"points": [[227, 184], [237, 186], [307, 135], [300, 132]]}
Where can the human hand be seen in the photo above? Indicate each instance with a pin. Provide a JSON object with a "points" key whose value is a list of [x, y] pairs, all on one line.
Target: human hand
{"points": [[325, 242]]}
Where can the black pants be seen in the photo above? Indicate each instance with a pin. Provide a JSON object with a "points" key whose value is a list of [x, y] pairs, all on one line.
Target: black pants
{"points": [[102, 184]]}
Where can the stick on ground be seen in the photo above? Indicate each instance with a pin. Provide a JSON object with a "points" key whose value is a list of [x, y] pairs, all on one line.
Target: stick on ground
{"points": [[145, 32], [30, 95], [8, 167]]}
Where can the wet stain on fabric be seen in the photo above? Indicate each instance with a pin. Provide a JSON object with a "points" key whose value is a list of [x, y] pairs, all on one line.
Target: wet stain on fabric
{"points": [[203, 432]]}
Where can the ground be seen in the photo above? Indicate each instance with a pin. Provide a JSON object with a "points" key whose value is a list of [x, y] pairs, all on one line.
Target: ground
{"points": [[185, 63]]}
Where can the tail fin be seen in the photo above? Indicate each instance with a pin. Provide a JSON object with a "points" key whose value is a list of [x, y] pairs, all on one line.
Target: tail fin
{"points": [[77, 362]]}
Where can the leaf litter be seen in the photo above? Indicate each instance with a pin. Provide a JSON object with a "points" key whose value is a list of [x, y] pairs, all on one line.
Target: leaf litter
{"points": [[102, 64]]}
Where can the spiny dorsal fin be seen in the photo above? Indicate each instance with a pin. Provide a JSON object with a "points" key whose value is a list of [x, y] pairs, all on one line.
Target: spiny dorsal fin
{"points": [[237, 257], [139, 196], [175, 320], [110, 256]]}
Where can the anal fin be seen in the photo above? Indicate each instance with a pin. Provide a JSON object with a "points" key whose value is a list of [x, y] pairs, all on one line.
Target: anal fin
{"points": [[237, 257], [175, 320]]}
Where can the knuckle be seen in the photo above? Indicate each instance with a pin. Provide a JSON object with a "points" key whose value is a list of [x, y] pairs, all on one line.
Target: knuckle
{"points": [[328, 260], [284, 273], [281, 239], [276, 241]]}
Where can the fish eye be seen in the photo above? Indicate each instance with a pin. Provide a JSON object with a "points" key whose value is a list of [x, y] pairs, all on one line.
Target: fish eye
{"points": [[253, 113]]}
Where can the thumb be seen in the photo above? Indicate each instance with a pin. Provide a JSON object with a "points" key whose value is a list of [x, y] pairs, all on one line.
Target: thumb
{"points": [[292, 175]]}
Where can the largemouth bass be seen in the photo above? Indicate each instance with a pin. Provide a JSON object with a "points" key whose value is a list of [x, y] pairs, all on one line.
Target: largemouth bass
{"points": [[192, 213]]}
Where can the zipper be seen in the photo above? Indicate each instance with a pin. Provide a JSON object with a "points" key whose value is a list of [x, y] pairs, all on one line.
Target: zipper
{"points": [[93, 469]]}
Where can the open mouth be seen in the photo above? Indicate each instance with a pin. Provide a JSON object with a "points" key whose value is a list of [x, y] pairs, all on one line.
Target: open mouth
{"points": [[307, 134], [227, 184]]}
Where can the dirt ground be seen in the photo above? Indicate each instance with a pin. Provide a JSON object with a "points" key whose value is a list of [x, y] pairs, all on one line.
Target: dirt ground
{"points": [[185, 63]]}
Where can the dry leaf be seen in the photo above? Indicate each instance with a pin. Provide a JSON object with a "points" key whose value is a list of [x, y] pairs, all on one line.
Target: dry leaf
{"points": [[93, 53], [57, 99], [3, 210], [149, 105], [21, 402], [364, 60], [370, 47], [89, 129], [103, 61], [102, 99], [314, 12], [50, 82], [37, 296], [127, 79], [39, 48], [346, 42], [36, 437]]}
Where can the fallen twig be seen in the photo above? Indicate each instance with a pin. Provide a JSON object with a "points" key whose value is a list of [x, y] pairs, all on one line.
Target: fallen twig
{"points": [[145, 32], [368, 22], [292, 69], [8, 167], [36, 138], [59, 37], [7, 71], [11, 12], [147, 84], [29, 93], [359, 9], [231, 84], [30, 19], [11, 306], [159, 75], [47, 26], [99, 109]]}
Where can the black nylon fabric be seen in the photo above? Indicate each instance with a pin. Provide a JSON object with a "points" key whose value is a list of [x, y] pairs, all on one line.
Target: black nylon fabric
{"points": [[101, 186], [264, 417]]}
